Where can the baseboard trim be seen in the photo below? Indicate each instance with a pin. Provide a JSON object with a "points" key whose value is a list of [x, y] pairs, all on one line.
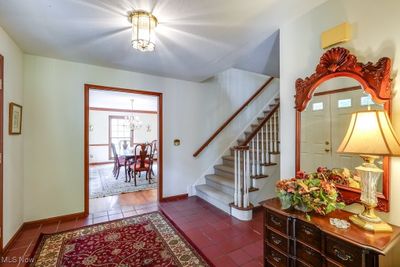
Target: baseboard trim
{"points": [[67, 217], [13, 239], [100, 163], [173, 198]]}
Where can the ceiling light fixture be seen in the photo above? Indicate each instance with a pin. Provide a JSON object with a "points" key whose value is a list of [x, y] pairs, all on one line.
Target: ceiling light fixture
{"points": [[143, 25]]}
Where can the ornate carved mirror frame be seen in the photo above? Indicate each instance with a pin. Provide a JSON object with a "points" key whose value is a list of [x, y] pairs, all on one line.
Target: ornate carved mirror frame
{"points": [[375, 80]]}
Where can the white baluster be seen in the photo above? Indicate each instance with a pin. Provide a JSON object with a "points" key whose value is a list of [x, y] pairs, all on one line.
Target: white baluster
{"points": [[262, 145], [274, 132], [239, 182], [253, 159], [244, 179], [277, 129], [269, 139], [236, 178], [266, 143], [258, 154], [247, 178]]}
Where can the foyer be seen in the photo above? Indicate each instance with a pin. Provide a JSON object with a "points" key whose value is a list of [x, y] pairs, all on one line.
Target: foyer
{"points": [[233, 110], [224, 240]]}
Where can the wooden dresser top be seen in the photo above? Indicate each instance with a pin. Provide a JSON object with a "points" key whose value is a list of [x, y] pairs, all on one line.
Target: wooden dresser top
{"points": [[379, 242]]}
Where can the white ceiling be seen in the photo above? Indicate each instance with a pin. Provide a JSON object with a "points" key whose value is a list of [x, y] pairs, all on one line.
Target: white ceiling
{"points": [[194, 40], [119, 100]]}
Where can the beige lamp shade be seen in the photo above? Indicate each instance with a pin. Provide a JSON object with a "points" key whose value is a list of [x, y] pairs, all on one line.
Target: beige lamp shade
{"points": [[370, 133]]}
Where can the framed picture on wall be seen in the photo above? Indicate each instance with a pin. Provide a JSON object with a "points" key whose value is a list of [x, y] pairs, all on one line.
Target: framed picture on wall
{"points": [[15, 119]]}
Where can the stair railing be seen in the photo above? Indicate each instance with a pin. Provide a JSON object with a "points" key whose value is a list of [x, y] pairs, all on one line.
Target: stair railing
{"points": [[254, 153], [233, 116]]}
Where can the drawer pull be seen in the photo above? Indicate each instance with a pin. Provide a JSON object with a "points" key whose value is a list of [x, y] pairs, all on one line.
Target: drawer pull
{"points": [[309, 252], [275, 220], [276, 240], [275, 257], [342, 255], [308, 232]]}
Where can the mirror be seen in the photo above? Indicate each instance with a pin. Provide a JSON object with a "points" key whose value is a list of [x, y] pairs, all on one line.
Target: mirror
{"points": [[324, 123], [324, 102]]}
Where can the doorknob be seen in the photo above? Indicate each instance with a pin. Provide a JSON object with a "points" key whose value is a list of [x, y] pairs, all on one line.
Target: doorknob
{"points": [[327, 150], [326, 142]]}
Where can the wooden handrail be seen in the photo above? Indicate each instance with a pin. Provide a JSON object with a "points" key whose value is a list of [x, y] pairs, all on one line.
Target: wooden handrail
{"points": [[256, 130], [242, 107]]}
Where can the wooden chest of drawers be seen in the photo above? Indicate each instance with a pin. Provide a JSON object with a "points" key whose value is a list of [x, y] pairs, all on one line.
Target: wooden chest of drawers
{"points": [[291, 240]]}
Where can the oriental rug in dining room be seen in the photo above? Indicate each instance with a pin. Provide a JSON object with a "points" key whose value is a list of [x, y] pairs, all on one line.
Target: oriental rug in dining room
{"points": [[143, 240], [102, 183]]}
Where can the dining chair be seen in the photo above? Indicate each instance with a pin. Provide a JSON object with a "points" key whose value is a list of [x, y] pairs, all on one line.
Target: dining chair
{"points": [[119, 161], [142, 154]]}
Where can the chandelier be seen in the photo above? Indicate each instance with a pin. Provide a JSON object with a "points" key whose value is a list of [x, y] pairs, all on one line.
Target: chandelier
{"points": [[143, 25], [133, 121]]}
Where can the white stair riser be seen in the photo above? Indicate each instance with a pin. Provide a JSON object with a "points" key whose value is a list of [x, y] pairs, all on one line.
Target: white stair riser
{"points": [[223, 173], [221, 187], [222, 206], [275, 158], [228, 162], [270, 170]]}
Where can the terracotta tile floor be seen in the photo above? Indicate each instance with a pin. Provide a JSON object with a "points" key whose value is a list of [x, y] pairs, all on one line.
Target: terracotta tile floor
{"points": [[224, 240]]}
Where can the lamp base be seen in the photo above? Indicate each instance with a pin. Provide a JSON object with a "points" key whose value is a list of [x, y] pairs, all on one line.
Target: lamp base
{"points": [[370, 226]]}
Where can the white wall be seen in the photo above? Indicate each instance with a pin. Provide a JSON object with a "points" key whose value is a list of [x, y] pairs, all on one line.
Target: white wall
{"points": [[13, 160], [100, 133], [54, 127], [375, 34]]}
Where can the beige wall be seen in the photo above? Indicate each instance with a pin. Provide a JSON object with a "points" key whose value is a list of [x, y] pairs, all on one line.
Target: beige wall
{"points": [[13, 162], [54, 127]]}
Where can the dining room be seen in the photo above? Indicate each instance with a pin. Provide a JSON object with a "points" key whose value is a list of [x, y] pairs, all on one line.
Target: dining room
{"points": [[123, 148]]}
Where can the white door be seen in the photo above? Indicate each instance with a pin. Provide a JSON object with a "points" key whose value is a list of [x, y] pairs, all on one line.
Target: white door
{"points": [[342, 107], [315, 134]]}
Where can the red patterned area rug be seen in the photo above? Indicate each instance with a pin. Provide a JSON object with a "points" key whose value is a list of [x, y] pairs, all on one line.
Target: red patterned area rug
{"points": [[143, 240]]}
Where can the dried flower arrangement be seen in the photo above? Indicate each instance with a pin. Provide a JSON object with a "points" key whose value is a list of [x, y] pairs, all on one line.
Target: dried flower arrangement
{"points": [[310, 192]]}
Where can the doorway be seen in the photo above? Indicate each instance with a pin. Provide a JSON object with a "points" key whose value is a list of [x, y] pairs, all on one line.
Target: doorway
{"points": [[123, 147]]}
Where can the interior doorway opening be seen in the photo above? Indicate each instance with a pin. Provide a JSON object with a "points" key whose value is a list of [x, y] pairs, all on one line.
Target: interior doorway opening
{"points": [[123, 148]]}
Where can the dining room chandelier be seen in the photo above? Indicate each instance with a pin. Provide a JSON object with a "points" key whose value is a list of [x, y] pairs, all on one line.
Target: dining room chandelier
{"points": [[143, 26], [133, 121]]}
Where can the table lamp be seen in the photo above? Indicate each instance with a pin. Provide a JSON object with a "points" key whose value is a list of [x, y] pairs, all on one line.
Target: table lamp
{"points": [[370, 134]]}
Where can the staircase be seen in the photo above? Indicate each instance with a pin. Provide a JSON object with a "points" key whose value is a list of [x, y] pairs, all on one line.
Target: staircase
{"points": [[247, 169]]}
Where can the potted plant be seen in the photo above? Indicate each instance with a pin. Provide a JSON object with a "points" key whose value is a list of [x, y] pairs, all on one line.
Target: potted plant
{"points": [[309, 192]]}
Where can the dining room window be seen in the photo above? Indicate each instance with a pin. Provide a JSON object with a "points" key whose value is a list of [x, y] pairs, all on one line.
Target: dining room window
{"points": [[119, 133]]}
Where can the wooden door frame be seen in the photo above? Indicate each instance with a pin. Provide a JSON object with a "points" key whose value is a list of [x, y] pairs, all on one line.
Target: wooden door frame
{"points": [[87, 88], [1, 149]]}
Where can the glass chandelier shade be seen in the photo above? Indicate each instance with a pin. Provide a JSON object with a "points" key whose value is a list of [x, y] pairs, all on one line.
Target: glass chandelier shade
{"points": [[133, 121], [143, 26]]}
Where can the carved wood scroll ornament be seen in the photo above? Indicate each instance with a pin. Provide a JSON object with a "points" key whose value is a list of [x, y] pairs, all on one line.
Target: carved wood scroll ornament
{"points": [[337, 61]]}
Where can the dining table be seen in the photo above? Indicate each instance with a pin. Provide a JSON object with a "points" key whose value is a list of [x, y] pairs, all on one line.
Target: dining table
{"points": [[128, 156]]}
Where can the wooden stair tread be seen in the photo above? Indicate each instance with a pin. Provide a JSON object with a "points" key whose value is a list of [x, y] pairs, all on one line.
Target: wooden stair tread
{"points": [[261, 176], [269, 164]]}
